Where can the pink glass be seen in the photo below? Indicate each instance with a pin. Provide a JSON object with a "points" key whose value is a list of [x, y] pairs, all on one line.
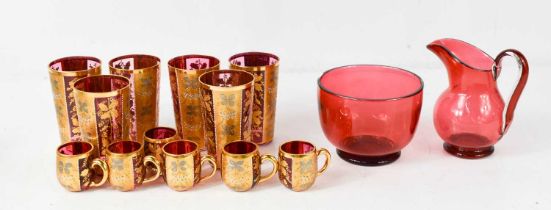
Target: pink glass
{"points": [[124, 147], [160, 133], [240, 147], [75, 148], [470, 115], [180, 147], [297, 147], [369, 112]]}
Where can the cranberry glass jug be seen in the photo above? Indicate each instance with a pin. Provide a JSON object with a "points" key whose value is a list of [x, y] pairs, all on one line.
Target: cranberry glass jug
{"points": [[471, 115]]}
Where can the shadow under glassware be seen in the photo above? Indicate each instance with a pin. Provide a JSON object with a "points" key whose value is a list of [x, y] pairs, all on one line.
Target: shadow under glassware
{"points": [[369, 112], [184, 72], [227, 108]]}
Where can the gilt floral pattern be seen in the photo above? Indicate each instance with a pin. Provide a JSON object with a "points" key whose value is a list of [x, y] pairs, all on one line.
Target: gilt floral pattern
{"points": [[258, 107], [246, 112], [68, 178], [144, 94], [64, 100], [286, 171], [208, 119], [265, 94], [73, 174], [109, 121], [256, 169], [126, 172], [182, 172], [187, 101], [237, 173], [236, 165], [297, 173]]}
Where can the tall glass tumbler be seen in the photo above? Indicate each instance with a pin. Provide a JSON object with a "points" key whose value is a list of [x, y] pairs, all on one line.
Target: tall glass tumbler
{"points": [[227, 108], [143, 73], [103, 109], [184, 74], [369, 112], [265, 68], [63, 74]]}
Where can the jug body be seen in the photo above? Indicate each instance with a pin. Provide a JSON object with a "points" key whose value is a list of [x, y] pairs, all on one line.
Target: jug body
{"points": [[469, 119], [471, 115]]}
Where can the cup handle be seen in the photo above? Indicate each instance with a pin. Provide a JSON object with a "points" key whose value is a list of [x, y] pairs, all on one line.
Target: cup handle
{"points": [[212, 162], [152, 160], [103, 166], [523, 68], [272, 159], [327, 155]]}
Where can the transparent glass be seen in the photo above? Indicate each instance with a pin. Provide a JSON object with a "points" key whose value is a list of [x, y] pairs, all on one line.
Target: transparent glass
{"points": [[369, 112], [470, 115]]}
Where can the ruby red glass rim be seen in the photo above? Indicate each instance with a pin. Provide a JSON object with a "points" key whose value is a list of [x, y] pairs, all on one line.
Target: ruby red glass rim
{"points": [[297, 147], [112, 80], [413, 93], [174, 61], [83, 58], [158, 134], [152, 61], [74, 148], [245, 54], [124, 147], [240, 147], [248, 78], [180, 147]]}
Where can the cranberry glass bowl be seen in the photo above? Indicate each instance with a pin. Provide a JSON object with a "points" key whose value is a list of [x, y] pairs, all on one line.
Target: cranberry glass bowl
{"points": [[369, 112]]}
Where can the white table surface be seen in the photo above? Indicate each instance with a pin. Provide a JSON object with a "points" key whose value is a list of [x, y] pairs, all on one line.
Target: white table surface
{"points": [[516, 176]]}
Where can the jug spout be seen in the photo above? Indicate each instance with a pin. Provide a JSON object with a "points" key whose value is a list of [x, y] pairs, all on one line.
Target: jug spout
{"points": [[463, 60], [457, 52]]}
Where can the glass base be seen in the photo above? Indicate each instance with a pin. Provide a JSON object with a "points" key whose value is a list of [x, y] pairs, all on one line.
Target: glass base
{"points": [[468, 153], [368, 160]]}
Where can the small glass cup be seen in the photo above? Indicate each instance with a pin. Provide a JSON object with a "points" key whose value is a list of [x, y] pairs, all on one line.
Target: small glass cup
{"points": [[241, 163], [155, 138], [369, 112], [76, 166], [298, 164], [127, 165], [183, 165]]}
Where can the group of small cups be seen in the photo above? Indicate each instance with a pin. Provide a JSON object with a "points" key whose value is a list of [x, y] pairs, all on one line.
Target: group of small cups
{"points": [[128, 164]]}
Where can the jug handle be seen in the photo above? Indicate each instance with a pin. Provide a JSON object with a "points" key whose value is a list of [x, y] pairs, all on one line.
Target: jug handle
{"points": [[523, 68]]}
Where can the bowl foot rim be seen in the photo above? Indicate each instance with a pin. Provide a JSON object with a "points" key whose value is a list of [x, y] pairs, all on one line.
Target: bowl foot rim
{"points": [[364, 160]]}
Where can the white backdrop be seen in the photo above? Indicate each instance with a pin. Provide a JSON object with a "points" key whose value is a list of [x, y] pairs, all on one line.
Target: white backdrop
{"points": [[310, 37]]}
